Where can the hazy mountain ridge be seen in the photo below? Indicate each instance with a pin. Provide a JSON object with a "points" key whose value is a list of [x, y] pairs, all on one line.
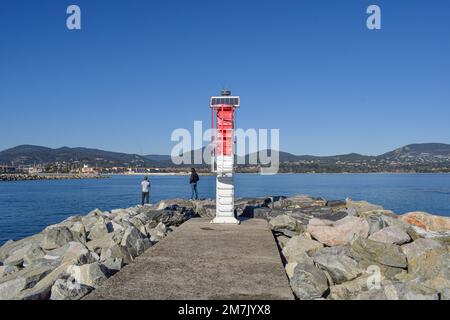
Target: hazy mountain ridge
{"points": [[422, 151], [29, 155]]}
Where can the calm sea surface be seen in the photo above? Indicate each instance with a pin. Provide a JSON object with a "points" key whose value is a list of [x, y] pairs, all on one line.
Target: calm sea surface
{"points": [[26, 207]]}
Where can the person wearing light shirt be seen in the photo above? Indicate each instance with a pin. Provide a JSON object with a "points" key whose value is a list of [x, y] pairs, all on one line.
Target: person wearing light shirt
{"points": [[145, 191]]}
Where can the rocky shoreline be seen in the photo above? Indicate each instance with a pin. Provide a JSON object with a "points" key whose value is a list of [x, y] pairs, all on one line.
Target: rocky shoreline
{"points": [[359, 251], [331, 249]]}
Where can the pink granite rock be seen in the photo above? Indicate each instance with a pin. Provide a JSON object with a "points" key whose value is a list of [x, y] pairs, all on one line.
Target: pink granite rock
{"points": [[427, 221], [338, 233]]}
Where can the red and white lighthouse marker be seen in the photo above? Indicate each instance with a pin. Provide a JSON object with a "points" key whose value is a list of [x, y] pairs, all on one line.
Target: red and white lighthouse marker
{"points": [[223, 108]]}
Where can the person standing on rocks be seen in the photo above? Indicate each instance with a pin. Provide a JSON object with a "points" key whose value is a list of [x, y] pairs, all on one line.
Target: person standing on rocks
{"points": [[193, 182], [145, 191]]}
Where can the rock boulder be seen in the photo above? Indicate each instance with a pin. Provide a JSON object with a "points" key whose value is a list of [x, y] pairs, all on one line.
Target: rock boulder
{"points": [[338, 233], [388, 257], [308, 282], [56, 237], [285, 222], [391, 235], [427, 221], [361, 206], [419, 247], [297, 246], [337, 262], [89, 274], [135, 242], [67, 290]]}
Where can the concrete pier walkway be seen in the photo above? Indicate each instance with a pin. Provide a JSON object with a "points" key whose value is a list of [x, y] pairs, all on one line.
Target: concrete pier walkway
{"points": [[204, 261]]}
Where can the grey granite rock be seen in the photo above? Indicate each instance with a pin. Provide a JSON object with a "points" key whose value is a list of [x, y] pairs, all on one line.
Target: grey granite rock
{"points": [[56, 237], [67, 290], [308, 282], [337, 262]]}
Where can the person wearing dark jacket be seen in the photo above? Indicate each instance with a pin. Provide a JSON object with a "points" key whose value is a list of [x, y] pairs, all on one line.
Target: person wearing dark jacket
{"points": [[193, 182]]}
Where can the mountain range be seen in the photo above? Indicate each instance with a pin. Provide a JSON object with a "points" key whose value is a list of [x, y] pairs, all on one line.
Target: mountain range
{"points": [[29, 155]]}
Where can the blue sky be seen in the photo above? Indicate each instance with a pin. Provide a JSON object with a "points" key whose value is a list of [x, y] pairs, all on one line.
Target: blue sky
{"points": [[140, 69]]}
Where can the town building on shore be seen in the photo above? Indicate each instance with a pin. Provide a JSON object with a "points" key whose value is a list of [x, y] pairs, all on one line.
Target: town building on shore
{"points": [[33, 170], [86, 169], [8, 169]]}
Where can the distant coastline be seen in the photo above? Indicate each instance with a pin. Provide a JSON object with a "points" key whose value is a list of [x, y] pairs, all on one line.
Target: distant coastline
{"points": [[25, 177], [34, 177]]}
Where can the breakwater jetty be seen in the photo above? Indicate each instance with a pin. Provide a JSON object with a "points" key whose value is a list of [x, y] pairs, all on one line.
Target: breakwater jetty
{"points": [[285, 247], [48, 176], [204, 261]]}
